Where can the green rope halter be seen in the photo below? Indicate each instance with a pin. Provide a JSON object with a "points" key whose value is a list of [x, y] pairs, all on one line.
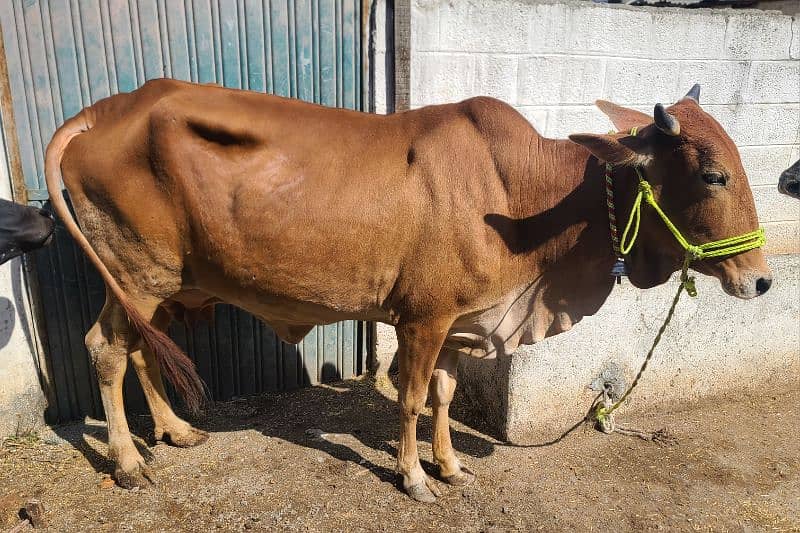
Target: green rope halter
{"points": [[720, 248]]}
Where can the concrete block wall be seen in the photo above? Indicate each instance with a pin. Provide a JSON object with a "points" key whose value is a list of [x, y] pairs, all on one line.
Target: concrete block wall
{"points": [[551, 60], [22, 401]]}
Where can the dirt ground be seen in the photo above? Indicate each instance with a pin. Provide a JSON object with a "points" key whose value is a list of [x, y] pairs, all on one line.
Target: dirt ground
{"points": [[322, 459]]}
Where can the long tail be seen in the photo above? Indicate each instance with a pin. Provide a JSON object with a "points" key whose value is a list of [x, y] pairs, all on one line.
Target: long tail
{"points": [[175, 365]]}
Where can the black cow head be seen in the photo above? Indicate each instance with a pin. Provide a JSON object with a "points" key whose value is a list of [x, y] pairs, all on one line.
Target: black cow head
{"points": [[23, 229], [789, 182]]}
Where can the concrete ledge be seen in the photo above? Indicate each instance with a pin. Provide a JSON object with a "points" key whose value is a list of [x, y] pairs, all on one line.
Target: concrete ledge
{"points": [[22, 402], [715, 345]]}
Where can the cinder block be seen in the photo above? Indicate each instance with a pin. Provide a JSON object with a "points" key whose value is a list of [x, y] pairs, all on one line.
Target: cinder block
{"points": [[424, 25], [764, 164], [548, 26], [495, 76], [774, 81], [554, 80], [754, 34], [794, 50], [722, 82], [608, 30], [759, 124], [639, 81], [782, 238], [385, 349], [496, 26], [773, 206], [440, 78], [688, 34], [562, 121], [537, 116]]}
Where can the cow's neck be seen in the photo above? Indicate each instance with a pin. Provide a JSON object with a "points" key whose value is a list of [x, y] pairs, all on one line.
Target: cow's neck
{"points": [[563, 243], [559, 206]]}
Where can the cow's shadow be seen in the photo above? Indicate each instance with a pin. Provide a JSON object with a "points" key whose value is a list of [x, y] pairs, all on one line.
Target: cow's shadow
{"points": [[319, 417], [351, 421]]}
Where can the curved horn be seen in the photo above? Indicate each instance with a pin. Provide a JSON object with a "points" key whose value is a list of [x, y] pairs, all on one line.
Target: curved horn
{"points": [[694, 93], [666, 122]]}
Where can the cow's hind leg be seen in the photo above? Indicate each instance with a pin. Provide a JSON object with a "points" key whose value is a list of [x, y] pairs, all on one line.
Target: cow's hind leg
{"points": [[108, 343], [443, 385], [168, 426], [418, 348]]}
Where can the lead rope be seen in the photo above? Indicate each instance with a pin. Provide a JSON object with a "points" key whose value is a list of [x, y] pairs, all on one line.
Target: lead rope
{"points": [[620, 268], [602, 413]]}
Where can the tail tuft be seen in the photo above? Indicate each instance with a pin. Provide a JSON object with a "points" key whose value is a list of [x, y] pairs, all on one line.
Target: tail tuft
{"points": [[175, 365]]}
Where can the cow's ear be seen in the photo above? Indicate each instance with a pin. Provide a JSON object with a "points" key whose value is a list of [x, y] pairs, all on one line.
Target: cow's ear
{"points": [[614, 149], [623, 118]]}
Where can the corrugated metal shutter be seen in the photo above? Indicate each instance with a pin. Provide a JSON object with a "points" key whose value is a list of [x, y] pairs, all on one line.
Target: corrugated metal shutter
{"points": [[65, 54]]}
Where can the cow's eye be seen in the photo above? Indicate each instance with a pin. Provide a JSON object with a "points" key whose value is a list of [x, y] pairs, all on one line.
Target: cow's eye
{"points": [[715, 178]]}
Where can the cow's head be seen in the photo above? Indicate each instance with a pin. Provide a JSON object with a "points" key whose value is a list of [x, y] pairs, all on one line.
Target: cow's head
{"points": [[697, 179], [22, 229], [789, 182]]}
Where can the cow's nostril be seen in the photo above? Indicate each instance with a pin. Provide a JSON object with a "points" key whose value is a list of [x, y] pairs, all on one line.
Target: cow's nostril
{"points": [[763, 285]]}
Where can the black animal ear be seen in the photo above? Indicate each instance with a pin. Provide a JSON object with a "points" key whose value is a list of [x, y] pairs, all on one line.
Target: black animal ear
{"points": [[614, 149], [694, 93]]}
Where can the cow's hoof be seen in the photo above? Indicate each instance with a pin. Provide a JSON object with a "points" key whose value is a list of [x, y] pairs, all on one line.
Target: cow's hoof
{"points": [[184, 437], [464, 477], [425, 492], [137, 477]]}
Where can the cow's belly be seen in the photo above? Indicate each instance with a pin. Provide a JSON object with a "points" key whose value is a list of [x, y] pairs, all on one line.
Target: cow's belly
{"points": [[305, 309]]}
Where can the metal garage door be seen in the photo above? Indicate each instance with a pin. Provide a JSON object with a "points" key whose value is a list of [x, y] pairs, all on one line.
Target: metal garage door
{"points": [[65, 54]]}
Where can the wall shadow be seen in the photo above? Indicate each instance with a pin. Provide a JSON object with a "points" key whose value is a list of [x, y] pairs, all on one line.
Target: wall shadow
{"points": [[7, 321]]}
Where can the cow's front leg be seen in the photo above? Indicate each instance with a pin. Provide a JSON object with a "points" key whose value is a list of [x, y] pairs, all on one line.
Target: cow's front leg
{"points": [[108, 341], [418, 348], [443, 385]]}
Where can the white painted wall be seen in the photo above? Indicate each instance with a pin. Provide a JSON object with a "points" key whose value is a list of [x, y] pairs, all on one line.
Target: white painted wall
{"points": [[22, 402], [551, 60]]}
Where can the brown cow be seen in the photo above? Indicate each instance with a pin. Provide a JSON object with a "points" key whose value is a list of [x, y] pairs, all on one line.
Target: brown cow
{"points": [[459, 224]]}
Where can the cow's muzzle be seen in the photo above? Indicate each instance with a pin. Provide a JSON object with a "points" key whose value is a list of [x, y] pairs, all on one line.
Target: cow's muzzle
{"points": [[789, 182]]}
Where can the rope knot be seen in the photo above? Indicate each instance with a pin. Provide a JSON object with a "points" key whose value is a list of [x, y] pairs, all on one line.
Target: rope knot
{"points": [[645, 188], [696, 252]]}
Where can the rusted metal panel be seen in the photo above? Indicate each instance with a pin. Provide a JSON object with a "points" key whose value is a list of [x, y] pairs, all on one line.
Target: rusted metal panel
{"points": [[62, 55]]}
